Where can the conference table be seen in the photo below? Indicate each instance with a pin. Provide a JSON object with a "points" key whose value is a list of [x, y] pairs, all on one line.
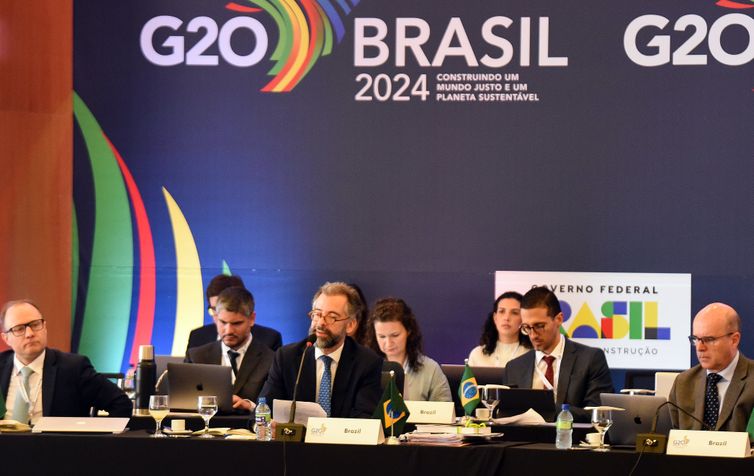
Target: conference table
{"points": [[136, 452]]}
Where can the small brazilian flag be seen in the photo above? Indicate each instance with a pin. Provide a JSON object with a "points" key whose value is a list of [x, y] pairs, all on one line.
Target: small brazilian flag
{"points": [[468, 391], [392, 410], [750, 426]]}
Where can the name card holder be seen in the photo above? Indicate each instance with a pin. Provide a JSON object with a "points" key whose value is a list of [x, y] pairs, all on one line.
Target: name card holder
{"points": [[726, 444], [349, 431], [431, 412]]}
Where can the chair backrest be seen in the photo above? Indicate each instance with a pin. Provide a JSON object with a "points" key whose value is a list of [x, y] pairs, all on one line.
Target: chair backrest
{"points": [[387, 366], [664, 382]]}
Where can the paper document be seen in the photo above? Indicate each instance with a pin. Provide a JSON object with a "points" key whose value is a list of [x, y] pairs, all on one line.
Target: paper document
{"points": [[281, 409], [529, 417]]}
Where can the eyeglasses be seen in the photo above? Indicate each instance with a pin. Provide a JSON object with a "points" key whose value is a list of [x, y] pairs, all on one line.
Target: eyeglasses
{"points": [[19, 330], [707, 340], [536, 328], [329, 318]]}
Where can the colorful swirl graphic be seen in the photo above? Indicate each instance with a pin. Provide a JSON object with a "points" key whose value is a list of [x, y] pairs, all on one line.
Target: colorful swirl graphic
{"points": [[305, 34]]}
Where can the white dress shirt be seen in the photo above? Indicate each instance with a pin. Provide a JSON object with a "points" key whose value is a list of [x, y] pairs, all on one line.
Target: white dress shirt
{"points": [[225, 358], [541, 367]]}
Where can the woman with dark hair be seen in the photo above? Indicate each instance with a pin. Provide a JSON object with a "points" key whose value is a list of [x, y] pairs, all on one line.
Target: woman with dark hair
{"points": [[393, 333], [501, 339]]}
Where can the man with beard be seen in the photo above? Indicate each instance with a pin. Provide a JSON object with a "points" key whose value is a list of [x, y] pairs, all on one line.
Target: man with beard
{"points": [[237, 348], [576, 373], [339, 374]]}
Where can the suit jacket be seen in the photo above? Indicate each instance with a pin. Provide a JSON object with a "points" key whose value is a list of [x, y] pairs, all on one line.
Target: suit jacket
{"points": [[356, 388], [251, 373], [583, 376], [207, 334], [688, 393], [71, 386]]}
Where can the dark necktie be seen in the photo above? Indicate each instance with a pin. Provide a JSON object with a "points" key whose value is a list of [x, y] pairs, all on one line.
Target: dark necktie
{"points": [[233, 356], [550, 372], [711, 401], [325, 392]]}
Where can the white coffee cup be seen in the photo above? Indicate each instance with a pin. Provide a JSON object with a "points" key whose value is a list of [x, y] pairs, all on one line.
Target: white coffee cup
{"points": [[483, 413], [593, 439], [178, 425]]}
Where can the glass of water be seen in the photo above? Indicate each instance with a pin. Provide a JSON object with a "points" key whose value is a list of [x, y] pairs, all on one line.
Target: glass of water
{"points": [[207, 407], [158, 409], [602, 419]]}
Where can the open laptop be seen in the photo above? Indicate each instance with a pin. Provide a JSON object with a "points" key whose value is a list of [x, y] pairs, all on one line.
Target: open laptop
{"points": [[516, 401], [80, 425], [190, 381], [637, 417], [161, 363]]}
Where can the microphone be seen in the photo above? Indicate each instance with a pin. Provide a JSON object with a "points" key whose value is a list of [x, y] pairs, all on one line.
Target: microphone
{"points": [[293, 431], [654, 442]]}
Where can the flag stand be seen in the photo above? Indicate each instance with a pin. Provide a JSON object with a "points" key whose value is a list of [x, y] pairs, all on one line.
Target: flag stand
{"points": [[392, 439]]}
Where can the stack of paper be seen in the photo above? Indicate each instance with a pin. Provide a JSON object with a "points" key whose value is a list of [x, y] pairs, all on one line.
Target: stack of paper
{"points": [[444, 439]]}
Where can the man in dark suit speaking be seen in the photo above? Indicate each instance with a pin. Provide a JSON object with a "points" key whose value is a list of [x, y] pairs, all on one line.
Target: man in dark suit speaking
{"points": [[37, 381], [720, 390], [339, 374], [577, 373], [238, 347]]}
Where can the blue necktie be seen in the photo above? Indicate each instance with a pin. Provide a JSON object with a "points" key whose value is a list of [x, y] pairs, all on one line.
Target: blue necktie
{"points": [[712, 401], [325, 392], [21, 405]]}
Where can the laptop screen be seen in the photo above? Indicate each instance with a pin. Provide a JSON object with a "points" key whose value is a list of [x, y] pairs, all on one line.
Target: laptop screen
{"points": [[636, 418], [190, 381]]}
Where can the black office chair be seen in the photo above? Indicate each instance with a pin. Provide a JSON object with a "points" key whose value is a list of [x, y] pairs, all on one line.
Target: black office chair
{"points": [[387, 366]]}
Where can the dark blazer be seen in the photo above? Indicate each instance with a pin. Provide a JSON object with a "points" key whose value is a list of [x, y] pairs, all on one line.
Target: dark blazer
{"points": [[356, 388], [253, 369], [71, 386], [207, 334], [583, 376], [688, 393]]}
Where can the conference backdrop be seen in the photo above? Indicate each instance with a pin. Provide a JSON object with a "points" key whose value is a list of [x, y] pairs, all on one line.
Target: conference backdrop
{"points": [[413, 147]]}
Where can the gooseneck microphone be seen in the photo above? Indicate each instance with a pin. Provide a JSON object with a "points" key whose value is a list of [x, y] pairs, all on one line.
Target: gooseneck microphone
{"points": [[293, 431], [654, 442]]}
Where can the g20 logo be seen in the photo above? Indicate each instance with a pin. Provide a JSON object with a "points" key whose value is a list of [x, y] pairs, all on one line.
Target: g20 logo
{"points": [[664, 52], [174, 47]]}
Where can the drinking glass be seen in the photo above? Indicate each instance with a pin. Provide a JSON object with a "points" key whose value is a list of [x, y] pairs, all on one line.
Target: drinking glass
{"points": [[207, 406], [491, 396], [602, 419], [158, 409]]}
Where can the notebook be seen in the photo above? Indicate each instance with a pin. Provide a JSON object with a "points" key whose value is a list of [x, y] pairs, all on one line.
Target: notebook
{"points": [[80, 425], [637, 417], [190, 381]]}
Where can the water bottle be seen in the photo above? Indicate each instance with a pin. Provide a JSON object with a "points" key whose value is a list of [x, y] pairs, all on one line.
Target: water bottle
{"points": [[262, 417], [564, 428]]}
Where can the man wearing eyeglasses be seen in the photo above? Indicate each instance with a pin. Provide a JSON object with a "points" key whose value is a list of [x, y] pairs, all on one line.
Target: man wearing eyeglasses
{"points": [[206, 334], [720, 390], [38, 381], [237, 348], [576, 373], [339, 374]]}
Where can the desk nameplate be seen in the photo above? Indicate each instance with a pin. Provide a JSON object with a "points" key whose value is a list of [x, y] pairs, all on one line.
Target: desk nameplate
{"points": [[430, 412], [727, 444], [350, 431]]}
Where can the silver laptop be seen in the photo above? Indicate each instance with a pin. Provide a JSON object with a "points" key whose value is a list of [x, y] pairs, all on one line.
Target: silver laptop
{"points": [[161, 362], [190, 381], [80, 425], [664, 383], [637, 417]]}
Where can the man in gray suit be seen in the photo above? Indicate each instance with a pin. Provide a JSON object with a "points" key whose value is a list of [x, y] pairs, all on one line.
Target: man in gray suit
{"points": [[237, 348], [720, 390], [577, 373]]}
